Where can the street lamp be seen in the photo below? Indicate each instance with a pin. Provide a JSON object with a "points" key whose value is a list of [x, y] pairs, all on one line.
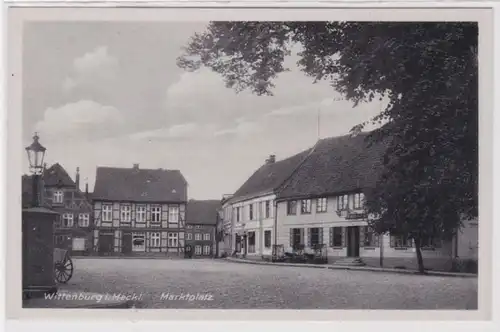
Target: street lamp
{"points": [[36, 153]]}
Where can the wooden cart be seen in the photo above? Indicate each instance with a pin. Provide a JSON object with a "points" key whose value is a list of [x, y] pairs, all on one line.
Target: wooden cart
{"points": [[63, 265]]}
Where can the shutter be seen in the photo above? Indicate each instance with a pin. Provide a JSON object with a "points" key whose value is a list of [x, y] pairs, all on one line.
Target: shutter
{"points": [[362, 231], [344, 236], [309, 242], [331, 236], [302, 236], [291, 237], [321, 236], [393, 241]]}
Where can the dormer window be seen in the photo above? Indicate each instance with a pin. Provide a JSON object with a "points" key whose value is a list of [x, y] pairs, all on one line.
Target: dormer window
{"points": [[58, 197], [359, 200], [343, 202]]}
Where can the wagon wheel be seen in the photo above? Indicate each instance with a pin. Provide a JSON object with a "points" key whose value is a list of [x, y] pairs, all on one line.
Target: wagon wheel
{"points": [[64, 270]]}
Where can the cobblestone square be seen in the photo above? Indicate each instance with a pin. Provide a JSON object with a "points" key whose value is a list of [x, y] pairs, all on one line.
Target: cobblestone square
{"points": [[218, 284]]}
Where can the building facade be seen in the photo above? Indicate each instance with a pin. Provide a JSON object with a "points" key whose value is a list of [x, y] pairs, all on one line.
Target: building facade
{"points": [[317, 197], [253, 206], [74, 227], [139, 211], [323, 203], [201, 227]]}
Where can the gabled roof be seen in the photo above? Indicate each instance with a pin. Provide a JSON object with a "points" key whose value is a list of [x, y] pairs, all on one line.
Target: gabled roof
{"points": [[269, 177], [139, 185], [56, 175], [202, 212], [337, 165]]}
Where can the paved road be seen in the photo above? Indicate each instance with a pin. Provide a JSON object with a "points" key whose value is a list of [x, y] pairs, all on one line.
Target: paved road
{"points": [[226, 285]]}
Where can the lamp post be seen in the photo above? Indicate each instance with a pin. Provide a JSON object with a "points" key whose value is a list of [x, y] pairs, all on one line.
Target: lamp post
{"points": [[36, 153]]}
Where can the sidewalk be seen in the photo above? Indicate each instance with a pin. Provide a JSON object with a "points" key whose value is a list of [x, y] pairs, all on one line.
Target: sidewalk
{"points": [[77, 300], [355, 268]]}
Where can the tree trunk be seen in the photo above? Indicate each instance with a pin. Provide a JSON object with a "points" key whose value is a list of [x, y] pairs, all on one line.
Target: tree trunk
{"points": [[420, 260]]}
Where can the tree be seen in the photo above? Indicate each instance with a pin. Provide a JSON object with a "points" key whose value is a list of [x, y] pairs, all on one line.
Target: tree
{"points": [[428, 71]]}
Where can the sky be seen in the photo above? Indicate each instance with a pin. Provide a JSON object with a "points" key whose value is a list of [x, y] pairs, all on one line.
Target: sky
{"points": [[111, 94]]}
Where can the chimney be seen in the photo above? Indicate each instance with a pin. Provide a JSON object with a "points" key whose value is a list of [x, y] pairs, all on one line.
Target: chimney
{"points": [[136, 166], [77, 178], [87, 190], [271, 159]]}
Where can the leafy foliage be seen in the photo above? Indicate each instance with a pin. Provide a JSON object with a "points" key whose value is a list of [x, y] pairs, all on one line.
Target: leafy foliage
{"points": [[428, 71]]}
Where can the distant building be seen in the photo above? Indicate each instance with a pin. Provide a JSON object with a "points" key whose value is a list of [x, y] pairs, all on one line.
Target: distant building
{"points": [[201, 226], [139, 211], [73, 229]]}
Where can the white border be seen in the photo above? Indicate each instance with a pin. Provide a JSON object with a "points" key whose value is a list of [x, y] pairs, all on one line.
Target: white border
{"points": [[15, 158]]}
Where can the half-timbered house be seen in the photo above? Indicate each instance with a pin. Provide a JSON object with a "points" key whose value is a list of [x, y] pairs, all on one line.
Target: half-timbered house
{"points": [[139, 211]]}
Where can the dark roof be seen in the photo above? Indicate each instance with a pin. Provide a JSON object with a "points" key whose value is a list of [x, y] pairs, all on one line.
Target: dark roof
{"points": [[139, 185], [56, 175], [337, 165], [202, 212], [270, 177]]}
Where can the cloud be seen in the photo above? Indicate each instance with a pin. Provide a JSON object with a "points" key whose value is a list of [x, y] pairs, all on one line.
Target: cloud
{"points": [[242, 129], [184, 131], [73, 119], [96, 66]]}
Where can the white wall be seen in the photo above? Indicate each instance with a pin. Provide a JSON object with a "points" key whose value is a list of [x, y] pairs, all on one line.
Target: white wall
{"points": [[258, 224]]}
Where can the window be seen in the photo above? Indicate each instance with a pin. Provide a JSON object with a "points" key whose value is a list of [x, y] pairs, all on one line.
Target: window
{"points": [[189, 236], [173, 214], [314, 237], [268, 209], [291, 207], [206, 250], [296, 236], [267, 239], [197, 250], [197, 227], [83, 220], [189, 226], [138, 242], [107, 212], [58, 240], [155, 213], [197, 237], [430, 242], [342, 202], [206, 236], [370, 238], [140, 213], [67, 220], [305, 206], [154, 240], [400, 241], [336, 240], [58, 197], [250, 212], [251, 242], [359, 200], [125, 213], [238, 214], [173, 239], [321, 204]]}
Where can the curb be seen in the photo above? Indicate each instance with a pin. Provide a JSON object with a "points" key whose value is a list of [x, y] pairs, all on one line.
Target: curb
{"points": [[356, 268]]}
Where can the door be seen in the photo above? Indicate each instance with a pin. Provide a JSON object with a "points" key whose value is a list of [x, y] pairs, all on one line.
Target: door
{"points": [[106, 243], [353, 241], [126, 243]]}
